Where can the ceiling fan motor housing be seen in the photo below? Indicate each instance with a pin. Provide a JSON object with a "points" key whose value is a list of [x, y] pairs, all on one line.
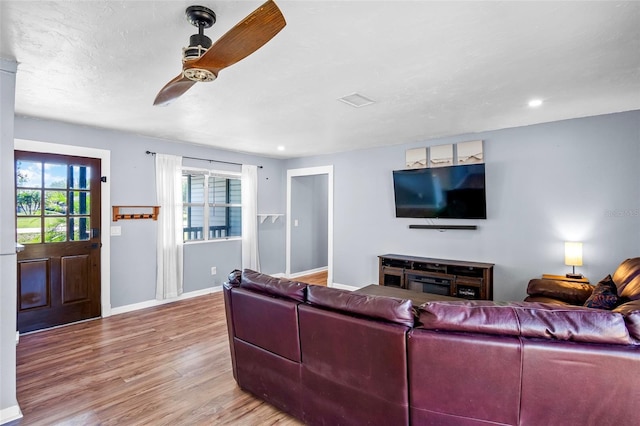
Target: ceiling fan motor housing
{"points": [[201, 17], [198, 44]]}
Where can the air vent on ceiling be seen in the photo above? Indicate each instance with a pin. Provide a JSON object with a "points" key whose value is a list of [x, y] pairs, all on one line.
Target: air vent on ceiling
{"points": [[356, 100]]}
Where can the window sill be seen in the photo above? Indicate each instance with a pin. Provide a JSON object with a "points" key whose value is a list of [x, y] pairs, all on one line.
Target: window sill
{"points": [[216, 240]]}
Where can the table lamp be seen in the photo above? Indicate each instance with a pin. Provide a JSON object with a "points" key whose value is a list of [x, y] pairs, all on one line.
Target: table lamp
{"points": [[573, 257]]}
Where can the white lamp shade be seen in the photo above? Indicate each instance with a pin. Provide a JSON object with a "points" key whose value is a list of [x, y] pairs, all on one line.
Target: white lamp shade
{"points": [[573, 253]]}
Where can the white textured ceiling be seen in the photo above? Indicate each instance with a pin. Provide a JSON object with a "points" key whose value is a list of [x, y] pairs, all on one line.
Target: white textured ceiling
{"points": [[433, 68]]}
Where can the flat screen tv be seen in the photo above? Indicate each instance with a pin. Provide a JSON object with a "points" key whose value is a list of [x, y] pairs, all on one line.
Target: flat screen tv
{"points": [[453, 192]]}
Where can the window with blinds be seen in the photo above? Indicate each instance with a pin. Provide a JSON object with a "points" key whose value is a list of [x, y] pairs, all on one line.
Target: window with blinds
{"points": [[211, 206]]}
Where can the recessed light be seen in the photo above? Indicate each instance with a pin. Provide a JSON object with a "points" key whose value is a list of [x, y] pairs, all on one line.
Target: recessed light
{"points": [[356, 100], [280, 148], [535, 103]]}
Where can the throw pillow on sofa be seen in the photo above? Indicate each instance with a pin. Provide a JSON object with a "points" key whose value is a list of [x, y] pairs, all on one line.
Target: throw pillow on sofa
{"points": [[604, 296]]}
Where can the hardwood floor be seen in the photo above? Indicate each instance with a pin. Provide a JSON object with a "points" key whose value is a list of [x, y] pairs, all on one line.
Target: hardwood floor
{"points": [[167, 365], [318, 278]]}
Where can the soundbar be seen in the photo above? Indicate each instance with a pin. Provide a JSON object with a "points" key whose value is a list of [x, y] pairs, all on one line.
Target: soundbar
{"points": [[468, 227]]}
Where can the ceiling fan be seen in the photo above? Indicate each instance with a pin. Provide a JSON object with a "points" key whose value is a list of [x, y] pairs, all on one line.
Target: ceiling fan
{"points": [[202, 61]]}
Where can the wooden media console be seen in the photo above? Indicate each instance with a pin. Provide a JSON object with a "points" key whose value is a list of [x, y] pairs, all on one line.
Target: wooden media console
{"points": [[455, 278]]}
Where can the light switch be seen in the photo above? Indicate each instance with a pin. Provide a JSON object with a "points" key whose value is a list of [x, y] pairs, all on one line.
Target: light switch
{"points": [[116, 231], [295, 222]]}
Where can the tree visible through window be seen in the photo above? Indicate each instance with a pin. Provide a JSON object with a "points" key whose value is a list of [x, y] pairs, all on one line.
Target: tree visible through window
{"points": [[211, 206], [52, 202]]}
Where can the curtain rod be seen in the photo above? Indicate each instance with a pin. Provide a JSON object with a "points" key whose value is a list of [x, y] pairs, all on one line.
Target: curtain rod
{"points": [[206, 159]]}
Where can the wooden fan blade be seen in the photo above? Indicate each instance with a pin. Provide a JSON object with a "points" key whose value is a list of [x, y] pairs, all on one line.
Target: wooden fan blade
{"points": [[173, 89], [242, 40]]}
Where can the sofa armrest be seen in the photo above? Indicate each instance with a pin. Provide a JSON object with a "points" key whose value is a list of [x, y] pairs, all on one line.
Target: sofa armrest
{"points": [[631, 312], [567, 291], [545, 299]]}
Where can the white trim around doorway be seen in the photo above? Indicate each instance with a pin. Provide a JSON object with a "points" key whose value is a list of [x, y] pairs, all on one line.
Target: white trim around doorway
{"points": [[105, 200], [310, 171]]}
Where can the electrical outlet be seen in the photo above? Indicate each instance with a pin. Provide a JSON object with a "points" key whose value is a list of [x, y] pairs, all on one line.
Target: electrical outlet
{"points": [[214, 270]]}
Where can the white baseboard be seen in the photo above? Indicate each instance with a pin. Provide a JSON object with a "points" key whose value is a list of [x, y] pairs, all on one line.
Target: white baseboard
{"points": [[10, 414], [151, 303], [308, 272], [344, 287]]}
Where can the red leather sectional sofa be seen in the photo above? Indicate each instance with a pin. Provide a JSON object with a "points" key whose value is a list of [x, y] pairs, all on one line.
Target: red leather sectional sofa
{"points": [[333, 357]]}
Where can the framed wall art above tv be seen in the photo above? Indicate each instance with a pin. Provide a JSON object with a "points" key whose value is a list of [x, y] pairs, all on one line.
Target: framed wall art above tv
{"points": [[470, 152]]}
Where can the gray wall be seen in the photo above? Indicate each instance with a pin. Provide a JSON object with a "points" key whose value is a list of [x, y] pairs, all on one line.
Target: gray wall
{"points": [[569, 180], [133, 269], [8, 291], [309, 207], [546, 184]]}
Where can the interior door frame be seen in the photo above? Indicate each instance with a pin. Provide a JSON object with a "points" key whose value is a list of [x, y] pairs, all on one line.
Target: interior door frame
{"points": [[311, 171], [105, 205]]}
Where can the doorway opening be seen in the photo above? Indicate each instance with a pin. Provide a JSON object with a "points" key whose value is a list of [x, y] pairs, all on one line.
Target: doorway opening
{"points": [[309, 221], [105, 202]]}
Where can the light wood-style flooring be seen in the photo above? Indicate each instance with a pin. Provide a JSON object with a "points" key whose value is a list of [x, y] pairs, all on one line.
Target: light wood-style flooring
{"points": [[167, 365], [318, 278]]}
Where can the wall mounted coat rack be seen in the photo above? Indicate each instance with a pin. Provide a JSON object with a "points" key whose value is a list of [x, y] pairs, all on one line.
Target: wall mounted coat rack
{"points": [[135, 212]]}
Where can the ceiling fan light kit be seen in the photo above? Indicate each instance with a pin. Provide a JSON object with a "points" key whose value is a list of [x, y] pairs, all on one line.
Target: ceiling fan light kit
{"points": [[202, 60], [197, 74]]}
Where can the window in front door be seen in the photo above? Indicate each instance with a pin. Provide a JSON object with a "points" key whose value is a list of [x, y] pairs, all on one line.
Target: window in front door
{"points": [[52, 202]]}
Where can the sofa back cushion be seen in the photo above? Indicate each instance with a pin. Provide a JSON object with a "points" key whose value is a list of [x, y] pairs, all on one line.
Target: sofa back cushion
{"points": [[457, 376], [280, 287], [399, 311], [354, 369], [627, 278], [268, 322], [570, 384], [525, 319]]}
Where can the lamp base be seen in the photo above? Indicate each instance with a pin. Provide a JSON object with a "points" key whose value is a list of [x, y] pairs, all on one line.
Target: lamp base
{"points": [[574, 276]]}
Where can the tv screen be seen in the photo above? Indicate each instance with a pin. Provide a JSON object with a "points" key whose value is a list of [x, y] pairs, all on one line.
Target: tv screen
{"points": [[453, 192]]}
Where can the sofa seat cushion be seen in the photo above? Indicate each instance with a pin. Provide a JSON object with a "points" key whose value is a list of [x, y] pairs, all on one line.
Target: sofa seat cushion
{"points": [[627, 278], [280, 287], [399, 311], [526, 319], [567, 291]]}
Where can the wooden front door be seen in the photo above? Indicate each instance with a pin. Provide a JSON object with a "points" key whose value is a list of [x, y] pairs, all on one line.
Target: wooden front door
{"points": [[58, 222]]}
